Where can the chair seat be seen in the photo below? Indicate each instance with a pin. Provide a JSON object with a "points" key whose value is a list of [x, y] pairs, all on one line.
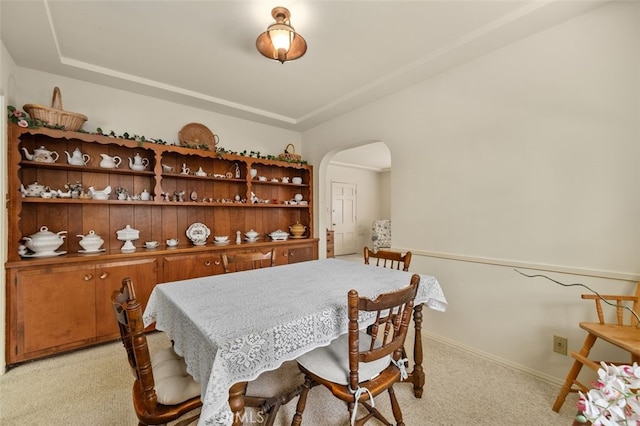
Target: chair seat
{"points": [[173, 384], [624, 336], [332, 362]]}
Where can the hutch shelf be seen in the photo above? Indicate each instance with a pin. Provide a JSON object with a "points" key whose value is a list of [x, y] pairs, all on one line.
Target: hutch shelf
{"points": [[225, 194]]}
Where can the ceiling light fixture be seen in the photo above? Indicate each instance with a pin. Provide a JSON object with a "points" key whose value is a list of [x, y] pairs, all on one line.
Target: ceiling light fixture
{"points": [[281, 42]]}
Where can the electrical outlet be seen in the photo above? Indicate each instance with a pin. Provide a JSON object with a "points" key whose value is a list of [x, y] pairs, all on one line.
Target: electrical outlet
{"points": [[560, 345]]}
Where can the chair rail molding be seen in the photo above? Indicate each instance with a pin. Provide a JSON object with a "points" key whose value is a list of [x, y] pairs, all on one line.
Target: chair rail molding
{"points": [[612, 275]]}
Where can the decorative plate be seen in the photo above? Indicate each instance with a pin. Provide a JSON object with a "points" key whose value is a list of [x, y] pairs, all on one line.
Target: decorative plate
{"points": [[198, 232], [197, 134]]}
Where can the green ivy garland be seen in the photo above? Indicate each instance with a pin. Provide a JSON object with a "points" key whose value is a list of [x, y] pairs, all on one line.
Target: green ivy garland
{"points": [[22, 119]]}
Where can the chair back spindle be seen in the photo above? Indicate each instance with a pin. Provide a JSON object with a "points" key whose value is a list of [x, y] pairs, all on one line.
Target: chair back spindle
{"points": [[388, 259], [246, 261]]}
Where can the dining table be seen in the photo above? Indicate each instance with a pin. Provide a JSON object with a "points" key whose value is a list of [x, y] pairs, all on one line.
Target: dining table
{"points": [[232, 327]]}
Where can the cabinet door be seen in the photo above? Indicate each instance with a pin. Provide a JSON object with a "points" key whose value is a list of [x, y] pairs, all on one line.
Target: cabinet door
{"points": [[301, 254], [108, 277], [55, 307], [182, 267]]}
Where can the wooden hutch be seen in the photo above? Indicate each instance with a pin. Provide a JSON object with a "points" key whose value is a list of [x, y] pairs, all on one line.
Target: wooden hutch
{"points": [[59, 303]]}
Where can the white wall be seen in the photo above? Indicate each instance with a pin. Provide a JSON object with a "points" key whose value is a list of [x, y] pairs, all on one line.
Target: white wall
{"points": [[369, 194], [524, 157], [121, 111], [385, 195]]}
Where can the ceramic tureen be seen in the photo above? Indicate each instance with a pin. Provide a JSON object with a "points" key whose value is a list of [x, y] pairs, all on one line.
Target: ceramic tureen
{"points": [[44, 241]]}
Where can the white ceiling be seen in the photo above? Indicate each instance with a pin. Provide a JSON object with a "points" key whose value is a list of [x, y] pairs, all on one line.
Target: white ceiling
{"points": [[202, 53]]}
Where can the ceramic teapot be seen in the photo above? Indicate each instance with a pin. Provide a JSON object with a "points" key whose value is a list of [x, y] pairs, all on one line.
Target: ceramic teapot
{"points": [[138, 162], [44, 241], [109, 162], [77, 158], [41, 154], [33, 190], [91, 241]]}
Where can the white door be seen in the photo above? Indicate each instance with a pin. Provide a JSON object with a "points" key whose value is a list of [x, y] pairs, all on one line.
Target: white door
{"points": [[343, 217]]}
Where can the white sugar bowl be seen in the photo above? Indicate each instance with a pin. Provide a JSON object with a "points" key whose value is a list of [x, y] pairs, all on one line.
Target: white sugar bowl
{"points": [[91, 241], [252, 235]]}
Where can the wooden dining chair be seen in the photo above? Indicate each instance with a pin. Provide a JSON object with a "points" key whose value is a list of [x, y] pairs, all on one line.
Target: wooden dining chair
{"points": [[163, 391], [244, 261], [388, 259], [623, 333], [357, 366]]}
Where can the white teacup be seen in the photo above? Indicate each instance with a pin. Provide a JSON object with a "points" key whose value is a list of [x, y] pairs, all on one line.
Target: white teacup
{"points": [[167, 169], [151, 244], [262, 178], [221, 238], [172, 242]]}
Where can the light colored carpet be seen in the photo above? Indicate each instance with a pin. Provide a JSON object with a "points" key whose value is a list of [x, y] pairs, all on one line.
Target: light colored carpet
{"points": [[93, 387]]}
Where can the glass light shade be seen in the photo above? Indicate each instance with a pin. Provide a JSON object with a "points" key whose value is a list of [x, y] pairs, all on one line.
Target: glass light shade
{"points": [[280, 41]]}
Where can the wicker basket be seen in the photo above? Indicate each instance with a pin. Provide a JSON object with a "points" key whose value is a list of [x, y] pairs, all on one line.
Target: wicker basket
{"points": [[289, 154], [56, 116]]}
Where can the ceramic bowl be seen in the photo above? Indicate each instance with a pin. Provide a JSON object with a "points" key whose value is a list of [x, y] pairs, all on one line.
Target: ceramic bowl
{"points": [[151, 244], [221, 238], [297, 180]]}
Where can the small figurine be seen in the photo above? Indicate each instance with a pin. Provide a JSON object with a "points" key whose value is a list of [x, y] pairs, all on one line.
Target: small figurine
{"points": [[238, 237], [178, 196]]}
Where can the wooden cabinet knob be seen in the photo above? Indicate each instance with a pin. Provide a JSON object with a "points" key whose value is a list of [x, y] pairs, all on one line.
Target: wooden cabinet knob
{"points": [[88, 277], [207, 263], [104, 275], [217, 263]]}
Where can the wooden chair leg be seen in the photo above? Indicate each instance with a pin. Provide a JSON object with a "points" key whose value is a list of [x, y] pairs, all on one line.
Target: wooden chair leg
{"points": [[573, 373], [302, 402], [397, 413]]}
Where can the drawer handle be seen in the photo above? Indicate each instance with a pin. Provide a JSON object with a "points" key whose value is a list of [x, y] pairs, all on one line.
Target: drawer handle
{"points": [[217, 262], [104, 275], [88, 277], [286, 254], [207, 263]]}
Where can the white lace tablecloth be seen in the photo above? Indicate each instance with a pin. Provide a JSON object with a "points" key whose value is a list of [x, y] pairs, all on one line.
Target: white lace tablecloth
{"points": [[232, 327]]}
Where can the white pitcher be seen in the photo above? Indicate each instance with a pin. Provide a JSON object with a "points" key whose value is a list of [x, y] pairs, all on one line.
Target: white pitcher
{"points": [[109, 162]]}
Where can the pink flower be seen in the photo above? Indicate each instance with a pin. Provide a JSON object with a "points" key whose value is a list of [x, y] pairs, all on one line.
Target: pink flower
{"points": [[23, 123], [17, 113]]}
